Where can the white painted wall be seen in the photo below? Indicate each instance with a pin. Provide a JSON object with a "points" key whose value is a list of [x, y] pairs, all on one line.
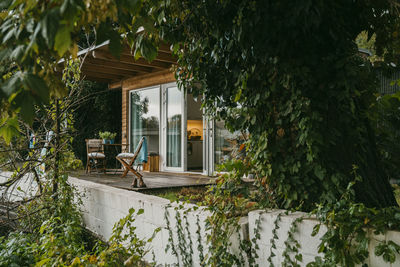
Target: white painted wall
{"points": [[309, 244], [103, 206], [23, 188]]}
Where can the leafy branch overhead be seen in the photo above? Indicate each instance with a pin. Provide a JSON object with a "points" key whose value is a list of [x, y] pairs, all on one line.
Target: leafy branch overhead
{"points": [[35, 35], [288, 73]]}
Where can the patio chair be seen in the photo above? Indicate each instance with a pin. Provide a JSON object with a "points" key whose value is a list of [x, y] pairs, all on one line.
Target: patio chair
{"points": [[95, 155], [128, 159]]}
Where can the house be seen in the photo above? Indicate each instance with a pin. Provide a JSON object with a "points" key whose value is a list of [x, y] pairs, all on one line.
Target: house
{"points": [[153, 106]]}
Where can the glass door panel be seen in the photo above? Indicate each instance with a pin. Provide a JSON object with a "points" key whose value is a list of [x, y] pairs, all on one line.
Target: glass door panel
{"points": [[225, 143], [174, 127], [145, 118]]}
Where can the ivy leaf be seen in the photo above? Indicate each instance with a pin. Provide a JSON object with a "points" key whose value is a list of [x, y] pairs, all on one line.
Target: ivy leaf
{"points": [[315, 229], [379, 249], [140, 211], [62, 40], [319, 172], [299, 257]]}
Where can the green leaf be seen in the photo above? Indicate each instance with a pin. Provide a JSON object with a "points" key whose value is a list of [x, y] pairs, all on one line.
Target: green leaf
{"points": [[9, 129], [4, 4], [12, 84], [115, 45], [319, 172], [62, 40], [9, 34], [315, 229], [50, 25], [238, 95], [140, 211], [26, 102], [42, 262], [103, 32], [17, 53], [148, 50], [38, 87]]}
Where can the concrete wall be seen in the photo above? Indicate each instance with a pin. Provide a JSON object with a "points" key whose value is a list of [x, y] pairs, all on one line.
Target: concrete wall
{"points": [[105, 205], [308, 243], [24, 188]]}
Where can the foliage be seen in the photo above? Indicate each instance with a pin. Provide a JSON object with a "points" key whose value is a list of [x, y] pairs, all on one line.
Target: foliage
{"points": [[107, 135], [191, 194], [60, 242], [97, 112], [228, 200], [303, 95], [350, 228], [15, 250], [35, 35], [385, 116]]}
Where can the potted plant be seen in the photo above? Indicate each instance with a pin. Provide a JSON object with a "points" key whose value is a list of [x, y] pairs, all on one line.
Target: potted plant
{"points": [[105, 136], [112, 137]]}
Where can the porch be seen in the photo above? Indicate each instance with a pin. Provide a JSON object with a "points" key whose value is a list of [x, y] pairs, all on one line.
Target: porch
{"points": [[154, 180]]}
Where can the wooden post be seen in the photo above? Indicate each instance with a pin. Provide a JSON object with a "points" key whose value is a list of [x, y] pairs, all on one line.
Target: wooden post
{"points": [[56, 150]]}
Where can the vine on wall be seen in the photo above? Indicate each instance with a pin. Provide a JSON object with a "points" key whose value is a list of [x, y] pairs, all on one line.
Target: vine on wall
{"points": [[345, 243]]}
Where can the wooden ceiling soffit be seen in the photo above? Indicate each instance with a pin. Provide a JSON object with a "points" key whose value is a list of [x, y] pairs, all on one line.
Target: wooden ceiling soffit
{"points": [[115, 85], [161, 56], [108, 69], [127, 57], [117, 65], [110, 77]]}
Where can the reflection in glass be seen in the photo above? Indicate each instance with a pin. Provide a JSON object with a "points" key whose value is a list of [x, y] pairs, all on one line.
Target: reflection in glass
{"points": [[145, 118], [174, 127], [224, 143]]}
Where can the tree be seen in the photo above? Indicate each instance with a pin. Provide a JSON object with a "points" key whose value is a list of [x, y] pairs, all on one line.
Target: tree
{"points": [[288, 72]]}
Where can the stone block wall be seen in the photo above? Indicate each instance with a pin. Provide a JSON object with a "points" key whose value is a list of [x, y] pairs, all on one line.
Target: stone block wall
{"points": [[308, 244], [103, 206]]}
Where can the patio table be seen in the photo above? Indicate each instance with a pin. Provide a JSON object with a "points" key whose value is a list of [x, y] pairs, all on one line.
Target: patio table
{"points": [[124, 147]]}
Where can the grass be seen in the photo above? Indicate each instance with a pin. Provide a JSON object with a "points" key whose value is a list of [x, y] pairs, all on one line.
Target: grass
{"points": [[192, 194]]}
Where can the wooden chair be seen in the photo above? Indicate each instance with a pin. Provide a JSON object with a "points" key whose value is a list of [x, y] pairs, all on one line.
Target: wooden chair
{"points": [[127, 160], [95, 155]]}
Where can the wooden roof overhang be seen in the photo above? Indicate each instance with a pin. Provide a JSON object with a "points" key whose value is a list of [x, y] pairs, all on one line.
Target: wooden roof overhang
{"points": [[101, 66]]}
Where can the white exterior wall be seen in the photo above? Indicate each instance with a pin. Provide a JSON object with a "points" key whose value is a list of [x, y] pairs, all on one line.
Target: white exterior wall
{"points": [[24, 188], [308, 243], [103, 206]]}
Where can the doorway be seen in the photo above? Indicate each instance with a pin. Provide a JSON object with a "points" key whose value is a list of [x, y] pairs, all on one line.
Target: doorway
{"points": [[195, 134]]}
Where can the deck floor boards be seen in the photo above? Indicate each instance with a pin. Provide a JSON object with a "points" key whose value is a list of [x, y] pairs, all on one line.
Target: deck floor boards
{"points": [[153, 180]]}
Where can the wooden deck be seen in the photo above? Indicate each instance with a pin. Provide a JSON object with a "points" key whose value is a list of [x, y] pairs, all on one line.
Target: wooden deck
{"points": [[153, 180]]}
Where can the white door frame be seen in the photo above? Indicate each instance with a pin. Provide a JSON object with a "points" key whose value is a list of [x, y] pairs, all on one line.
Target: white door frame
{"points": [[163, 127]]}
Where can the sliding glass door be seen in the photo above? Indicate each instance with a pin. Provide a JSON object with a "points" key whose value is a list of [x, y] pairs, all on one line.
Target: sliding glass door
{"points": [[145, 118], [174, 121]]}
